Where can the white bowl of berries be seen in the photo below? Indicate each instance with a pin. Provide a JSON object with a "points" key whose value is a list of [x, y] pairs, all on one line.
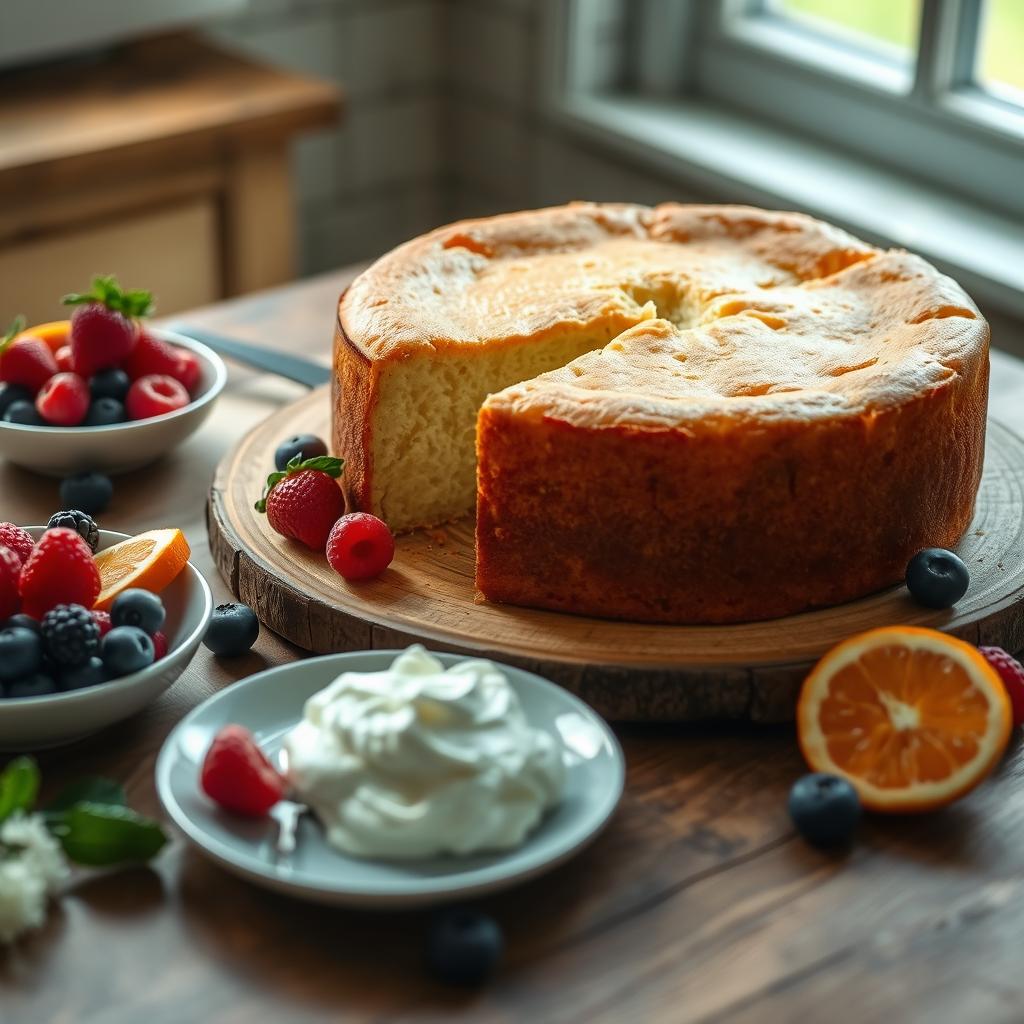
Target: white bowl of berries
{"points": [[102, 391], [67, 669]]}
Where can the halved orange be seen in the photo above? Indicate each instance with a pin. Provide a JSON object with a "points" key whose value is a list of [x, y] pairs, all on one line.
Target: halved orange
{"points": [[149, 561], [55, 333], [912, 717]]}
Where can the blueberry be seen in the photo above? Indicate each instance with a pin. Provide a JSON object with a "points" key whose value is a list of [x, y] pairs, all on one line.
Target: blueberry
{"points": [[464, 947], [824, 808], [937, 578], [110, 384], [70, 635], [105, 412], [90, 492], [11, 393], [21, 652], [23, 412], [22, 622], [75, 519], [307, 445], [38, 684], [232, 631], [125, 650], [140, 608], [91, 673]]}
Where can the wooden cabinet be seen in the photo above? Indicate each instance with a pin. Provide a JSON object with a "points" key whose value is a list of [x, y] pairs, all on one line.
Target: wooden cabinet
{"points": [[165, 163]]}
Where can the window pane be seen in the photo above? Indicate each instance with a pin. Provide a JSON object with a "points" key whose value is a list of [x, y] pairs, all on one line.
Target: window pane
{"points": [[888, 26], [1001, 49]]}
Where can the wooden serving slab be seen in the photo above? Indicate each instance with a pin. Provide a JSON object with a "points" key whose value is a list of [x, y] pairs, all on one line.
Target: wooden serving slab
{"points": [[627, 671]]}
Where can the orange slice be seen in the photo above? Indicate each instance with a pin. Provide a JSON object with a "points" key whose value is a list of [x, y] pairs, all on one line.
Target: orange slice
{"points": [[149, 561], [55, 333], [912, 717]]}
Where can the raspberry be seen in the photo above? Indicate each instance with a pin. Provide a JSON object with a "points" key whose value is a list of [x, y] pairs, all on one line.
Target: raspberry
{"points": [[60, 570], [103, 623], [360, 546], [189, 370], [1012, 674], [84, 525], [65, 359], [10, 570], [63, 400], [237, 775], [159, 645], [70, 635], [18, 540], [155, 395]]}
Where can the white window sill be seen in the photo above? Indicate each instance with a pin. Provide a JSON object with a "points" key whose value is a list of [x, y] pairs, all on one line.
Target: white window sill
{"points": [[737, 157]]}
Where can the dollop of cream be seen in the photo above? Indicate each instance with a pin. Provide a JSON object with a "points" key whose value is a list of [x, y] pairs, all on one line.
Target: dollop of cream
{"points": [[420, 760]]}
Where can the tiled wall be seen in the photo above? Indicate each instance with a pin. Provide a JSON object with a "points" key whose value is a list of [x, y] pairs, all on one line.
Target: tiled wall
{"points": [[443, 119]]}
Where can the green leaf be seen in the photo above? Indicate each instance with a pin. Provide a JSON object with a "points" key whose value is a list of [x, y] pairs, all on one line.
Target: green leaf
{"points": [[19, 783], [100, 835], [17, 326], [322, 463], [91, 789], [106, 290]]}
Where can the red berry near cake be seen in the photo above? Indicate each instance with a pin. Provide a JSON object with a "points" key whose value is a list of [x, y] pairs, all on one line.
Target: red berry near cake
{"points": [[304, 501], [360, 546]]}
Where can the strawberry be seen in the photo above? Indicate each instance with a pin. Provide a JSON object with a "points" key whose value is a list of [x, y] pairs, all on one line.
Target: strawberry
{"points": [[189, 370], [104, 327], [60, 570], [10, 570], [1011, 672], [18, 540], [24, 359], [154, 355], [237, 775], [305, 501]]}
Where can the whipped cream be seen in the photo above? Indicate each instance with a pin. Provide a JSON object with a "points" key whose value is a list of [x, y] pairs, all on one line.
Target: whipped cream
{"points": [[420, 760]]}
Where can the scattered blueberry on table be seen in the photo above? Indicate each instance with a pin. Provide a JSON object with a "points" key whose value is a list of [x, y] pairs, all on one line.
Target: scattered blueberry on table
{"points": [[464, 947], [232, 631], [89, 492], [825, 809], [306, 446], [937, 578]]}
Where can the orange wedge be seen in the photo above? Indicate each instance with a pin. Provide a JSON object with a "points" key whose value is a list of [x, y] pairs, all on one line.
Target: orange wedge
{"points": [[55, 333], [149, 561], [912, 717]]}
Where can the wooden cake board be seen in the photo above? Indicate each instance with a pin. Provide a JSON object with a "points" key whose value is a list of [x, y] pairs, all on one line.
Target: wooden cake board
{"points": [[625, 670]]}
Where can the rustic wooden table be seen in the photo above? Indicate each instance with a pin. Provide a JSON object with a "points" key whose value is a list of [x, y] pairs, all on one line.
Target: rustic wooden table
{"points": [[698, 904]]}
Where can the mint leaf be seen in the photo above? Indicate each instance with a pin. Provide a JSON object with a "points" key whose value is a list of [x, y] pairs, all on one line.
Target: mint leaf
{"points": [[105, 290], [92, 789], [100, 835], [19, 783]]}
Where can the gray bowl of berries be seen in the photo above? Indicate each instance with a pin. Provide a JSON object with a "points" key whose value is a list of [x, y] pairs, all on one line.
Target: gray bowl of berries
{"points": [[104, 390], [90, 637]]}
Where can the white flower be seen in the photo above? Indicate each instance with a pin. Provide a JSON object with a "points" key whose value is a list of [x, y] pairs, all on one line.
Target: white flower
{"points": [[40, 852], [22, 896]]}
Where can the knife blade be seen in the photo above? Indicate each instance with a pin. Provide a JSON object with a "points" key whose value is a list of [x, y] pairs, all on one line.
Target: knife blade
{"points": [[302, 371]]}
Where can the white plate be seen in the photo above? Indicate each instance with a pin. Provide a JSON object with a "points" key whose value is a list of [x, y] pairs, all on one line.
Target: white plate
{"points": [[30, 723], [271, 702], [60, 451]]}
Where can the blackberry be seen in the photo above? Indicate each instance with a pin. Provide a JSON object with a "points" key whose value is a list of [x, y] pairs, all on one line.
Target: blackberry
{"points": [[70, 635], [84, 525]]}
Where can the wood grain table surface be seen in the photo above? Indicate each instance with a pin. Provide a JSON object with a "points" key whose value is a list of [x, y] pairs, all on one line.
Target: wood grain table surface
{"points": [[698, 904]]}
